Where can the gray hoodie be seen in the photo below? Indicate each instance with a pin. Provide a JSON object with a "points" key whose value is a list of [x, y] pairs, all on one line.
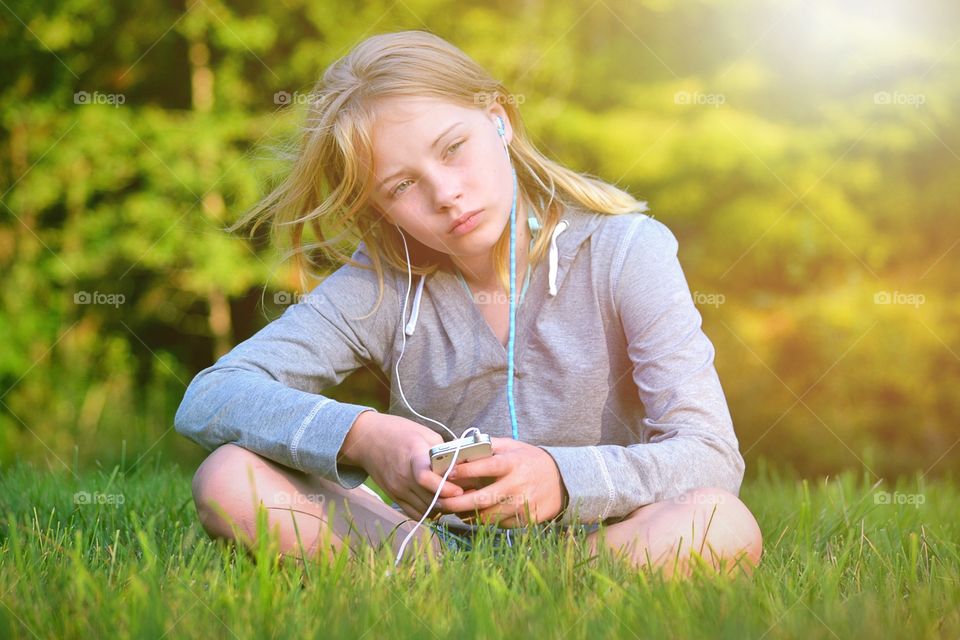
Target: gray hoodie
{"points": [[614, 377]]}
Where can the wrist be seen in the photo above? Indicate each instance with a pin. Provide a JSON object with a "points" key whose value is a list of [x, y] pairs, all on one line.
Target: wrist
{"points": [[561, 488], [355, 450]]}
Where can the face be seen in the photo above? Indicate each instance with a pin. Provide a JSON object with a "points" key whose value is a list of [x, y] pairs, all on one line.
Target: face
{"points": [[434, 162]]}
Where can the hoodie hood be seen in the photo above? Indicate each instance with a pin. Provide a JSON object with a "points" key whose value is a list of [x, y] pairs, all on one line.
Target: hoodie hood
{"points": [[570, 233]]}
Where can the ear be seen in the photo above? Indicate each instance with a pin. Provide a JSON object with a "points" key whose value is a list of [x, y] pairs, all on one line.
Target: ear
{"points": [[496, 109]]}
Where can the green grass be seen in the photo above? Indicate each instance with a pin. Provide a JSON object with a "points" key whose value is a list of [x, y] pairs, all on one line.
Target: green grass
{"points": [[836, 564]]}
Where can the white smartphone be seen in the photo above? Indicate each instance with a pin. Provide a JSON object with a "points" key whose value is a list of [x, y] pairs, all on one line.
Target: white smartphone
{"points": [[471, 448]]}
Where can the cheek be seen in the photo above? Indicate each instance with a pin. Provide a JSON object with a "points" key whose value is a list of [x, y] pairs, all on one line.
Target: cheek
{"points": [[490, 166], [413, 220]]}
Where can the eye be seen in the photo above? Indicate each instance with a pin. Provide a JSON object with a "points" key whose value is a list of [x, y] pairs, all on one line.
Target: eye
{"points": [[397, 191]]}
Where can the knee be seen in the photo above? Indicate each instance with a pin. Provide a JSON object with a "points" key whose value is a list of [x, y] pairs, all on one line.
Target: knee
{"points": [[732, 528], [222, 490]]}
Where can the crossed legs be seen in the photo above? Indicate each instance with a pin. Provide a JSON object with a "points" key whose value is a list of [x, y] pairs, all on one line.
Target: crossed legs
{"points": [[711, 522], [232, 481]]}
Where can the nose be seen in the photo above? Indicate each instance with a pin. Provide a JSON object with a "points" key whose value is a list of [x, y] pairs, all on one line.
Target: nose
{"points": [[447, 188]]}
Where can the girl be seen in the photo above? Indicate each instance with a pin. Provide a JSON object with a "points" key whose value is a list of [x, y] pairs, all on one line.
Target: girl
{"points": [[547, 311]]}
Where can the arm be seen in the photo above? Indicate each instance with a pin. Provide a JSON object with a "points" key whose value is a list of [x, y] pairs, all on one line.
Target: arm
{"points": [[265, 394], [688, 439]]}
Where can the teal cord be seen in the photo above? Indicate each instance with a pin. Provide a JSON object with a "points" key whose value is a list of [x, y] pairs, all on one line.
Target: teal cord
{"points": [[513, 299], [513, 285]]}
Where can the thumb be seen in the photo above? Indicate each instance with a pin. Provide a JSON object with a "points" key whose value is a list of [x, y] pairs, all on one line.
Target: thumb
{"points": [[505, 444]]}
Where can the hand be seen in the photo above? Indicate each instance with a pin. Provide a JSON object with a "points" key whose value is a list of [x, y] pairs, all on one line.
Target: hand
{"points": [[395, 451], [525, 477]]}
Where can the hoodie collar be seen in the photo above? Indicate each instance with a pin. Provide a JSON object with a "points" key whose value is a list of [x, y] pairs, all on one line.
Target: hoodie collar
{"points": [[572, 230], [567, 237]]}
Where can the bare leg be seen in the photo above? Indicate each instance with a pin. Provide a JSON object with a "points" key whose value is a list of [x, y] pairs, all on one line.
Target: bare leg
{"points": [[232, 482], [714, 523]]}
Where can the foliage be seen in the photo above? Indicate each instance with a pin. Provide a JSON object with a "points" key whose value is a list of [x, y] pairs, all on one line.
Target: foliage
{"points": [[803, 153]]}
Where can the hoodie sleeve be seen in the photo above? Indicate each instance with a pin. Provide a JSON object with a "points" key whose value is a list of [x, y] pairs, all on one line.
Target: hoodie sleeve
{"points": [[687, 440], [265, 394]]}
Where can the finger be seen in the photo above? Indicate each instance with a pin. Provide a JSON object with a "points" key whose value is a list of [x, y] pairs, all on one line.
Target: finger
{"points": [[511, 515], [502, 445], [416, 508], [431, 482], [491, 467], [422, 501], [500, 519], [416, 500], [408, 509], [478, 499], [492, 516], [426, 479], [509, 512], [474, 483]]}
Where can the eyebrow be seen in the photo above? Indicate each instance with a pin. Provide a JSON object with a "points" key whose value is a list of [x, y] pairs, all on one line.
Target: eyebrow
{"points": [[439, 138]]}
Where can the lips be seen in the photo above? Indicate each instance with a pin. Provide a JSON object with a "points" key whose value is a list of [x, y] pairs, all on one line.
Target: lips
{"points": [[463, 219]]}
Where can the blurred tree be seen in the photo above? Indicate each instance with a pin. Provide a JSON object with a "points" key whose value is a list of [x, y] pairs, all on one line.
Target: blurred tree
{"points": [[804, 153]]}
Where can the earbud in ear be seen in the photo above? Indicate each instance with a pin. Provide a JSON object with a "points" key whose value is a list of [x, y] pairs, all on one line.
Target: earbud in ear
{"points": [[500, 128]]}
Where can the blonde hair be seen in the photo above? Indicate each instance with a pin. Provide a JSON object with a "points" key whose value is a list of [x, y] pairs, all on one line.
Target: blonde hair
{"points": [[331, 179]]}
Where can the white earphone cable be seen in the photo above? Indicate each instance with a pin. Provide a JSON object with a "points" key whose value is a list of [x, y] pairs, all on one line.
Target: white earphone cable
{"points": [[467, 431], [409, 328]]}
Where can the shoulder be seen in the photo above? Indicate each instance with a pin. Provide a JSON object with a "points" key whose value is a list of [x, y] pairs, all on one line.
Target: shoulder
{"points": [[635, 237], [360, 269], [635, 249], [355, 287]]}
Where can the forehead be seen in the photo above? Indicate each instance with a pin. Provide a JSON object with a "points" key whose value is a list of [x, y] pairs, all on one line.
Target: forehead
{"points": [[413, 118]]}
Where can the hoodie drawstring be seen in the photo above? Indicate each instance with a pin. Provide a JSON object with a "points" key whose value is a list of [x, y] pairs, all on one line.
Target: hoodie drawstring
{"points": [[554, 265], [412, 325], [555, 255]]}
